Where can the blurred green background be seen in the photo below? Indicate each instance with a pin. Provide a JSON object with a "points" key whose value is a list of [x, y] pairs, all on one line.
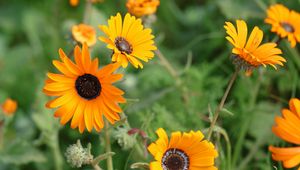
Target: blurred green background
{"points": [[190, 34]]}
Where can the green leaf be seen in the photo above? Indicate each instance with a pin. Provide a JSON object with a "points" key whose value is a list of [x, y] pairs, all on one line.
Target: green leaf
{"points": [[21, 152]]}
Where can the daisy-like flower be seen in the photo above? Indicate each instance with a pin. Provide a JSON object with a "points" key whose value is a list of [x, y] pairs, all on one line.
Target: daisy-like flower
{"points": [[284, 22], [129, 40], [288, 129], [9, 107], [250, 54], [140, 8], [187, 151], [84, 93], [83, 33]]}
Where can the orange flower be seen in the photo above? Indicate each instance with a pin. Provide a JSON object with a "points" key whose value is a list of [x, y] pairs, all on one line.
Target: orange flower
{"points": [[184, 151], [84, 34], [84, 93], [74, 2], [249, 54], [288, 129], [142, 7], [285, 22], [9, 106]]}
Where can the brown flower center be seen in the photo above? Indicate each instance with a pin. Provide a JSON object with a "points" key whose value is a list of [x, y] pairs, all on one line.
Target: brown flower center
{"points": [[175, 159], [88, 86], [123, 45], [287, 27]]}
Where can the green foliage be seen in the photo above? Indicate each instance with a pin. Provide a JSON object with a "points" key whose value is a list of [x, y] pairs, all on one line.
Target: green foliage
{"points": [[31, 32]]}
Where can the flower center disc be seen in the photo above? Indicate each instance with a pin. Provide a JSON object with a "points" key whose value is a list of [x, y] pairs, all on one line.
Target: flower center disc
{"points": [[175, 159], [88, 86], [287, 27], [123, 45]]}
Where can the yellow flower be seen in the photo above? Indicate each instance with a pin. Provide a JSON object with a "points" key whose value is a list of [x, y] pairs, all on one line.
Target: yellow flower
{"points": [[140, 8], [250, 54], [129, 41], [284, 22], [9, 107], [84, 93], [187, 151], [287, 128], [84, 34]]}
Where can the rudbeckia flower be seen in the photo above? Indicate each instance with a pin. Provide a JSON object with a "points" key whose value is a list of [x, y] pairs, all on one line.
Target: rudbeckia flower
{"points": [[129, 40], [249, 54], [284, 22], [187, 151], [83, 33], [84, 93], [140, 8], [287, 128], [9, 106]]}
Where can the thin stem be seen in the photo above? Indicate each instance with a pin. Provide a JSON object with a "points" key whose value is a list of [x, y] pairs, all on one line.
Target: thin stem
{"points": [[56, 153], [97, 167], [1, 134], [167, 64], [246, 123], [108, 147], [164, 61], [221, 104]]}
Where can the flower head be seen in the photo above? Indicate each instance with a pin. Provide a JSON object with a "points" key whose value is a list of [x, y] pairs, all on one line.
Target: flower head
{"points": [[184, 151], [287, 128], [140, 8], [284, 22], [84, 93], [9, 106], [129, 40], [83, 33], [250, 54]]}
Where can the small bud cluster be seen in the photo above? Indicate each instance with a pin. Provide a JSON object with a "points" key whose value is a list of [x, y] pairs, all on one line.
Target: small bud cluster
{"points": [[78, 156]]}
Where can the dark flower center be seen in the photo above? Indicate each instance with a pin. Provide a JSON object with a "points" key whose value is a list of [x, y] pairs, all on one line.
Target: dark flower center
{"points": [[175, 159], [287, 27], [123, 45], [88, 86]]}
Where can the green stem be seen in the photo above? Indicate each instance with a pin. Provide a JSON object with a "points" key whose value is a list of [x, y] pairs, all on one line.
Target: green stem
{"points": [[108, 147], [167, 64], [1, 134], [221, 104], [178, 82], [96, 167], [246, 123], [56, 153], [251, 154], [295, 54]]}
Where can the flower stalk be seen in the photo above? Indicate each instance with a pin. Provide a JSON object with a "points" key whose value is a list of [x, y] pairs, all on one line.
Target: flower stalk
{"points": [[164, 62], [109, 160], [221, 104], [1, 134]]}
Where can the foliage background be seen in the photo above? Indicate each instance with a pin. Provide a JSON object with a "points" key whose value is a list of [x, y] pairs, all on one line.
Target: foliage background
{"points": [[191, 36]]}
